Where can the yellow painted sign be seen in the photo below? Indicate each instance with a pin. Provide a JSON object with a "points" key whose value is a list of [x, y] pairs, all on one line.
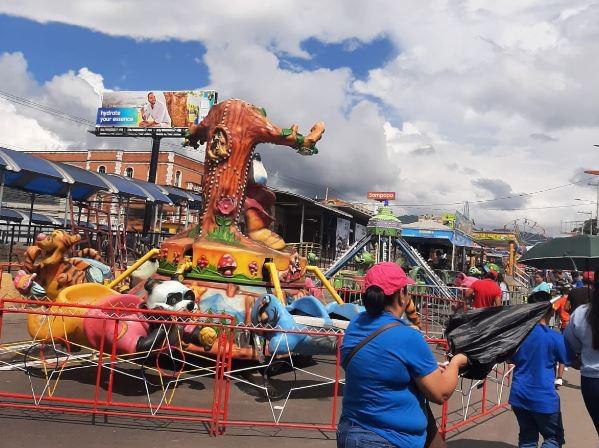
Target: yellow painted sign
{"points": [[496, 236]]}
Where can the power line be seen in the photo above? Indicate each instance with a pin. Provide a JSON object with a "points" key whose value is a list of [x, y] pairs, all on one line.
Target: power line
{"points": [[88, 123], [483, 201], [539, 208]]}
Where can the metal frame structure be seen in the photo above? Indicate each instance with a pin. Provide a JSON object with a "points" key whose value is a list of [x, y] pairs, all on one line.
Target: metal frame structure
{"points": [[156, 134]]}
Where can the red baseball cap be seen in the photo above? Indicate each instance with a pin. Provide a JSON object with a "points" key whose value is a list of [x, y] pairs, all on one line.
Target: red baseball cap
{"points": [[388, 276], [493, 273]]}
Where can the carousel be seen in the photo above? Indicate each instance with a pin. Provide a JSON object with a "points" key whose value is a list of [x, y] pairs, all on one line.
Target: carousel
{"points": [[213, 268]]}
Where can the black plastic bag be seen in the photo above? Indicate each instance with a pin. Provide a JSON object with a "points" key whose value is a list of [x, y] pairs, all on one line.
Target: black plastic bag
{"points": [[488, 336]]}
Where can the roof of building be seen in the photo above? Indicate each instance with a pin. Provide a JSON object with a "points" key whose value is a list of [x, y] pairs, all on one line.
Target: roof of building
{"points": [[318, 204], [427, 225], [348, 207]]}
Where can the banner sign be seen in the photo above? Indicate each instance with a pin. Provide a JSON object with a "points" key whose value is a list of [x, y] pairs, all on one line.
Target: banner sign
{"points": [[381, 195], [426, 233], [360, 232], [496, 236], [342, 234], [149, 109], [463, 224]]}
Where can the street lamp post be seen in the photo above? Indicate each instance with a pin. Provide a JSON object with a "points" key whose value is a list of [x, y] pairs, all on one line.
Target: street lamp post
{"points": [[595, 173]]}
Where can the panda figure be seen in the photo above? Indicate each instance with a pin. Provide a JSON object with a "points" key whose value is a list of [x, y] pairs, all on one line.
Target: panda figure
{"points": [[171, 295]]}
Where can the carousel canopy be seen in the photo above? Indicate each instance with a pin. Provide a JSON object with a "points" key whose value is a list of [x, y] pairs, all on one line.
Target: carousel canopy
{"points": [[384, 223], [35, 175]]}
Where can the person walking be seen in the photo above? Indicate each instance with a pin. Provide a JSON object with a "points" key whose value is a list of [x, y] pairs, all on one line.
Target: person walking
{"points": [[582, 337], [505, 292], [485, 292], [577, 280], [533, 397], [562, 309], [389, 370], [540, 283], [580, 296]]}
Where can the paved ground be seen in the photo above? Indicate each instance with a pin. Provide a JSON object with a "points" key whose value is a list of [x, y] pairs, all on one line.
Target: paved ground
{"points": [[50, 429]]}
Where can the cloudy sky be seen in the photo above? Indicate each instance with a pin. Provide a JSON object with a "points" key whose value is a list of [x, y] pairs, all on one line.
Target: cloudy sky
{"points": [[440, 101]]}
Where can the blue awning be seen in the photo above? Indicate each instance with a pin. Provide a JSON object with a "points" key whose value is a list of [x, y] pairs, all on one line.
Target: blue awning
{"points": [[463, 240], [179, 196], [426, 233], [137, 188], [158, 193], [86, 183], [39, 176], [456, 237], [7, 214], [125, 187], [38, 218], [32, 174]]}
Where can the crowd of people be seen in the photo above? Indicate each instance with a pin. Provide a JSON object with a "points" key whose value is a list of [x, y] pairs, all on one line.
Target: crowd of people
{"points": [[392, 374]]}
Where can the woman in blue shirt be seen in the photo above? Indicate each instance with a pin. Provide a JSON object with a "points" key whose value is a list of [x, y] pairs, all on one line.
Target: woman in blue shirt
{"points": [[533, 397], [389, 377]]}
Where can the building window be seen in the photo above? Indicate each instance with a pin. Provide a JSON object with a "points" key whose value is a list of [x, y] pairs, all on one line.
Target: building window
{"points": [[129, 172], [102, 169], [178, 179]]}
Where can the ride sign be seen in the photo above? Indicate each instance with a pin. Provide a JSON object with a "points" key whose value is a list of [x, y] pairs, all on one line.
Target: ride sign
{"points": [[381, 195]]}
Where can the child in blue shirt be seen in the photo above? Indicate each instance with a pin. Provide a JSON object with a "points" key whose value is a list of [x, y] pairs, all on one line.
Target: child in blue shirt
{"points": [[533, 397]]}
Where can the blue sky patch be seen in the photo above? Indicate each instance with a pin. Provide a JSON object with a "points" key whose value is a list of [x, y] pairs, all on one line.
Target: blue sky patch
{"points": [[53, 48], [360, 57]]}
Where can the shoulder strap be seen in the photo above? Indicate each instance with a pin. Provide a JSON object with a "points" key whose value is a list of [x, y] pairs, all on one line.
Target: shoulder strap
{"points": [[366, 340]]}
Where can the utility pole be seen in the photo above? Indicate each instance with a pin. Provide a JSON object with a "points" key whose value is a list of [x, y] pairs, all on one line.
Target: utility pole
{"points": [[596, 214], [149, 213]]}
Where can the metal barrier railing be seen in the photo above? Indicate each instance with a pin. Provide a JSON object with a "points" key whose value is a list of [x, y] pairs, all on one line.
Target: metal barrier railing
{"points": [[477, 400], [55, 355]]}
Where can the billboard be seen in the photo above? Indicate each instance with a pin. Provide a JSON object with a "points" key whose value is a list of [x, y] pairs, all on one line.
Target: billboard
{"points": [[381, 195], [463, 224], [154, 108], [360, 232]]}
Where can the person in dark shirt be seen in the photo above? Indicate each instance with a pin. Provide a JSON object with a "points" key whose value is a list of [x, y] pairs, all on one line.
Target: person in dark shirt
{"points": [[581, 296], [440, 260]]}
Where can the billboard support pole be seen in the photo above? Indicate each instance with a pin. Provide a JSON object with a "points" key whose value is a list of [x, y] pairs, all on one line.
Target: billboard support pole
{"points": [[149, 213]]}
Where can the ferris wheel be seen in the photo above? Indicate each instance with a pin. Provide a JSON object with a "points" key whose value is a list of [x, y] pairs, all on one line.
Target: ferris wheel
{"points": [[529, 231]]}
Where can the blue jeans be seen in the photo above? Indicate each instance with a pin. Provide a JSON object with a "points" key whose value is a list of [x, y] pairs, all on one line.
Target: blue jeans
{"points": [[534, 423], [352, 435], [590, 393]]}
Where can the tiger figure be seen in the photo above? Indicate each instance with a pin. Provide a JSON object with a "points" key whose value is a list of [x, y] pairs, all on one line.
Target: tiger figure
{"points": [[55, 271]]}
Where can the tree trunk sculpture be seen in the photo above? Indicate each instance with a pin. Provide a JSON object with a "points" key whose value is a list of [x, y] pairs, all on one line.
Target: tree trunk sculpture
{"points": [[231, 131]]}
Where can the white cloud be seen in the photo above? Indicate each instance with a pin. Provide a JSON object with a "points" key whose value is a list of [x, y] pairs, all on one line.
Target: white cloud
{"points": [[22, 132], [480, 90]]}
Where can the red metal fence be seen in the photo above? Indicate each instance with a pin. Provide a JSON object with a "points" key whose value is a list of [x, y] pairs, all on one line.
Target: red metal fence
{"points": [[106, 380], [53, 370]]}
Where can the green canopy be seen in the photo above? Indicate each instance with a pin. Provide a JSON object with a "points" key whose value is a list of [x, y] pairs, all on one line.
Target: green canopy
{"points": [[571, 253]]}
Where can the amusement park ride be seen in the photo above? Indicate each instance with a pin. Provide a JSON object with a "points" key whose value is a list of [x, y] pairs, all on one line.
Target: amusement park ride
{"points": [[213, 268]]}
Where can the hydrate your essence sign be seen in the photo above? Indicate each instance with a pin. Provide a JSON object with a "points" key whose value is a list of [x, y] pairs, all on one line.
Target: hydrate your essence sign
{"points": [[155, 108]]}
